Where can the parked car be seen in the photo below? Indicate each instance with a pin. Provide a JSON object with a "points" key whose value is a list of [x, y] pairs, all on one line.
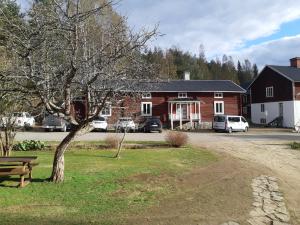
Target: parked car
{"points": [[55, 122], [99, 124], [151, 124], [125, 123], [230, 123], [20, 119]]}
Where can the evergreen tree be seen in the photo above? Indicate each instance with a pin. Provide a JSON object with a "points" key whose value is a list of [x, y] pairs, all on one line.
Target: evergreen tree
{"points": [[255, 71]]}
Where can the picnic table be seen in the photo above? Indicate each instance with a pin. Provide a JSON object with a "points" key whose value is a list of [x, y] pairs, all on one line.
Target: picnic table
{"points": [[19, 165]]}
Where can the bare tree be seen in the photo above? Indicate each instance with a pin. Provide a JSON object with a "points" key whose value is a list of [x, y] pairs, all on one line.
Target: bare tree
{"points": [[7, 128], [67, 50]]}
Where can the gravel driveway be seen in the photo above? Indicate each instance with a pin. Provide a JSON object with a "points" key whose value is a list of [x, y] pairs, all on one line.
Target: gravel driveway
{"points": [[263, 146]]}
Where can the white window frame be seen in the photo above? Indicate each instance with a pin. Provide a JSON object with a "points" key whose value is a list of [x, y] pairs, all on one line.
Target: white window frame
{"points": [[146, 95], [106, 107], [218, 95], [215, 107], [182, 94], [142, 108], [270, 92]]}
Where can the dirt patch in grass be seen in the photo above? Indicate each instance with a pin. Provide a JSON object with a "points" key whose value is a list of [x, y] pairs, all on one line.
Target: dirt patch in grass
{"points": [[211, 195]]}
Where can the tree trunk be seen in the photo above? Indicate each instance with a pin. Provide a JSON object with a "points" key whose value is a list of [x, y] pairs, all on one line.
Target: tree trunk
{"points": [[120, 145], [59, 162]]}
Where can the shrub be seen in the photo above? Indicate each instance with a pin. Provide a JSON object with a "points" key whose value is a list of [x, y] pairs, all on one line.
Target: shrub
{"points": [[176, 139], [112, 141], [295, 145], [31, 145]]}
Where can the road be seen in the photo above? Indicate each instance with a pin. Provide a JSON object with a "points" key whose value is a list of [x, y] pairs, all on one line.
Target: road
{"points": [[254, 135], [266, 147]]}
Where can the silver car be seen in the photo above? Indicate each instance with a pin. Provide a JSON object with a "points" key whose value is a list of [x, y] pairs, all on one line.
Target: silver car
{"points": [[55, 122], [125, 124]]}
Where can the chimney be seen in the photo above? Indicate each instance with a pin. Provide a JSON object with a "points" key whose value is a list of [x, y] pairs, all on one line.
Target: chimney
{"points": [[187, 75], [295, 62]]}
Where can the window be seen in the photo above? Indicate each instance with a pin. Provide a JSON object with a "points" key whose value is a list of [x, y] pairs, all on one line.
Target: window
{"points": [[245, 110], [146, 95], [234, 119], [182, 95], [219, 119], [269, 92], [262, 107], [218, 95], [146, 108], [263, 121], [219, 107], [106, 111]]}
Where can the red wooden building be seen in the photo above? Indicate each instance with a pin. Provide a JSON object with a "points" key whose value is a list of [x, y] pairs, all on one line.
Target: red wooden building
{"points": [[181, 103]]}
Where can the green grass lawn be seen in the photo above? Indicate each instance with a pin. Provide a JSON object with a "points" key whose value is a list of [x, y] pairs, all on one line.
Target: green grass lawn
{"points": [[98, 189]]}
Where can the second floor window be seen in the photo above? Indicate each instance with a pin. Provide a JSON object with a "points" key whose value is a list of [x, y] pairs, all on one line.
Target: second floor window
{"points": [[146, 95], [182, 95], [106, 111], [269, 92], [218, 95]]}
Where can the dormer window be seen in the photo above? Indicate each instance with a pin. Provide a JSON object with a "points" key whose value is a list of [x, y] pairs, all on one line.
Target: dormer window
{"points": [[182, 95], [146, 95], [269, 92], [106, 111], [218, 95]]}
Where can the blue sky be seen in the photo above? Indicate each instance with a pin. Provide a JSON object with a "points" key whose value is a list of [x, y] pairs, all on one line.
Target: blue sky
{"points": [[264, 31]]}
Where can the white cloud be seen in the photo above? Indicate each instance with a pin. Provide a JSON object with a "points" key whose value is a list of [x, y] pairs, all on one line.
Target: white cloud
{"points": [[277, 52], [221, 25]]}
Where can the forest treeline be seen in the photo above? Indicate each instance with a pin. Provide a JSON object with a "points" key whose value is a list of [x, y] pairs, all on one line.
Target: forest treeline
{"points": [[173, 62]]}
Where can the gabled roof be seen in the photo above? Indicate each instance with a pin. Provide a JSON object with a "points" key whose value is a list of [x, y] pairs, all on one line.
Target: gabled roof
{"points": [[193, 86], [291, 73]]}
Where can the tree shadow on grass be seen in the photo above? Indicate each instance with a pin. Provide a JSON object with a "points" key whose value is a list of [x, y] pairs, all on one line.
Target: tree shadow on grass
{"points": [[17, 181], [107, 156]]}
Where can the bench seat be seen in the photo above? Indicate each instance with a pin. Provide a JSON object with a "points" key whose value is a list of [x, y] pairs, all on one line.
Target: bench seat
{"points": [[13, 171]]}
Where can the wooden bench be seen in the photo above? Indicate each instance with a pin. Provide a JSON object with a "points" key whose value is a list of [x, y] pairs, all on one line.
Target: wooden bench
{"points": [[21, 166]]}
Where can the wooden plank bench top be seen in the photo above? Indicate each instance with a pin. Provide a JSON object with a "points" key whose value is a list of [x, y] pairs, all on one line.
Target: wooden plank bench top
{"points": [[19, 165], [13, 171], [25, 159]]}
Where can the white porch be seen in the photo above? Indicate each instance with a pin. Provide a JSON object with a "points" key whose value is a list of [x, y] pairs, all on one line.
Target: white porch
{"points": [[184, 111]]}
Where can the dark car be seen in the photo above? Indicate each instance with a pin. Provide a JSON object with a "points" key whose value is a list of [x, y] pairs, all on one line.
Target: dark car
{"points": [[151, 124]]}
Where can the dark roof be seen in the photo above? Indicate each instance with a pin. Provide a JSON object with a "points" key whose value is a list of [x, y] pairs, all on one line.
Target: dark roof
{"points": [[291, 73], [193, 86], [246, 85]]}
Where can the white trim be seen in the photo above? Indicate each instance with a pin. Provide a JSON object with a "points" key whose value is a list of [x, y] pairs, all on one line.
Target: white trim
{"points": [[270, 92], [106, 115], [218, 94], [182, 94], [281, 73], [215, 107], [146, 95], [142, 108], [269, 66]]}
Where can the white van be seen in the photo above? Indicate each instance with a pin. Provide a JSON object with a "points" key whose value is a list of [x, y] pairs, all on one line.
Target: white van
{"points": [[230, 123]]}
